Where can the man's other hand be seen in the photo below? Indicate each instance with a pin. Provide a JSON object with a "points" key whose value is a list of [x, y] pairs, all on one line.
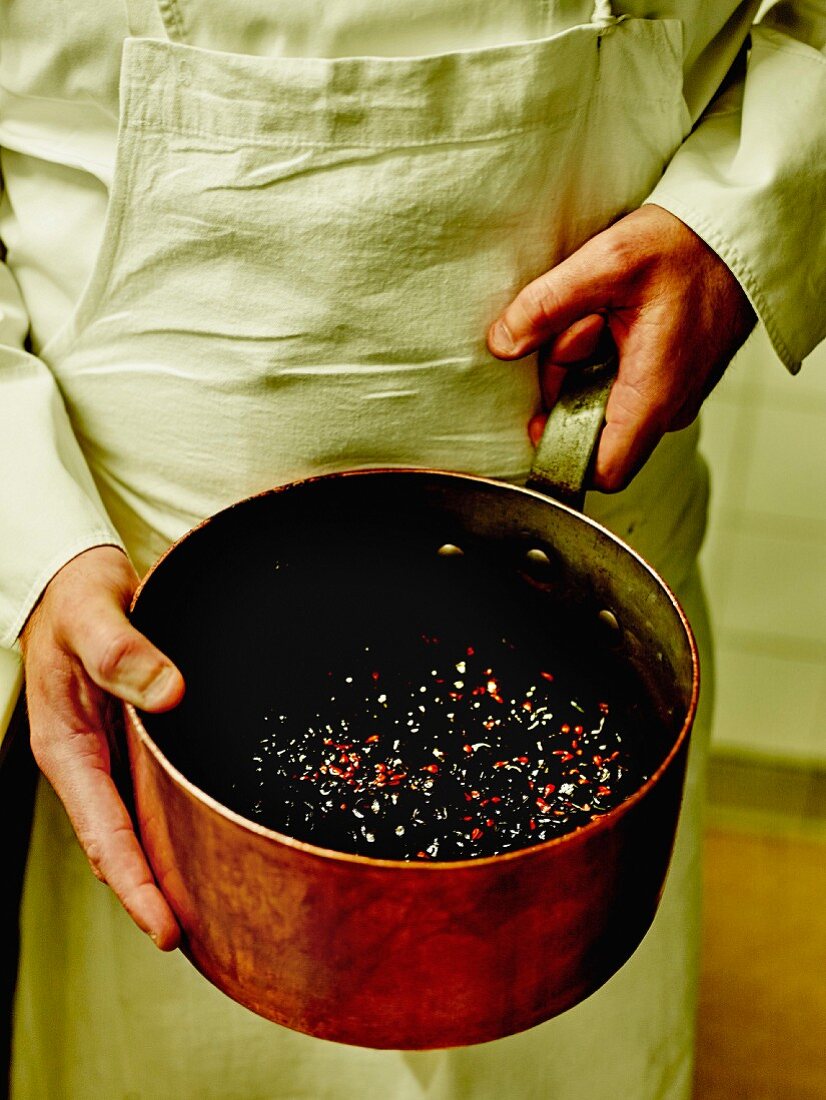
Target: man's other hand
{"points": [[82, 655], [675, 312]]}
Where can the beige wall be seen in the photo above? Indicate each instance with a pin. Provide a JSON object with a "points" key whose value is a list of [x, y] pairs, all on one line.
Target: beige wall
{"points": [[764, 434]]}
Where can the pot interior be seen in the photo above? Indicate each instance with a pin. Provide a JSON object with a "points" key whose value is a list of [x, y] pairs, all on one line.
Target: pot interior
{"points": [[268, 604]]}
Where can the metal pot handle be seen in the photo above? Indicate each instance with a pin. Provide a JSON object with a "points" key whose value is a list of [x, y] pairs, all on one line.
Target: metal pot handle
{"points": [[568, 444]]}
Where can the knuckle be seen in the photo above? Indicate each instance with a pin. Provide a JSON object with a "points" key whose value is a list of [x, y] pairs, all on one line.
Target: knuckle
{"points": [[94, 857], [540, 300], [48, 741], [641, 399], [116, 653], [42, 751], [619, 249]]}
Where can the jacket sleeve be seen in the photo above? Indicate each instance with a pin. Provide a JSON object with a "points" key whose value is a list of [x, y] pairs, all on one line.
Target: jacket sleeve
{"points": [[750, 179], [49, 505]]}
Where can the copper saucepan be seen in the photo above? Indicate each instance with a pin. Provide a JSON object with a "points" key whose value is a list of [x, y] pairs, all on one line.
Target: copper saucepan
{"points": [[380, 953]]}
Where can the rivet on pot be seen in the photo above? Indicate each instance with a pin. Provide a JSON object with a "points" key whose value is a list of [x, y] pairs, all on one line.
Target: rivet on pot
{"points": [[538, 557], [610, 620]]}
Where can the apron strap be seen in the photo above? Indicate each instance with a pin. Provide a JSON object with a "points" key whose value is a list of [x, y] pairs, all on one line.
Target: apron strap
{"points": [[152, 19], [603, 14]]}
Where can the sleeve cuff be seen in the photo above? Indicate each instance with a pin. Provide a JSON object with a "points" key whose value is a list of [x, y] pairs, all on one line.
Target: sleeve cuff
{"points": [[750, 180], [19, 614]]}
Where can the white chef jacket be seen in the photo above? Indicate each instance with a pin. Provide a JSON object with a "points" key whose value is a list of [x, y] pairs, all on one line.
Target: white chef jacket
{"points": [[749, 179]]}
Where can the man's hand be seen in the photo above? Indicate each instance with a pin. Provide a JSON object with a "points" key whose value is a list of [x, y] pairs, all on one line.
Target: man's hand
{"points": [[675, 311], [80, 651]]}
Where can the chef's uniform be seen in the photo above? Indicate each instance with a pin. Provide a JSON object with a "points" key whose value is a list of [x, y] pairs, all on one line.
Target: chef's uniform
{"points": [[258, 243]]}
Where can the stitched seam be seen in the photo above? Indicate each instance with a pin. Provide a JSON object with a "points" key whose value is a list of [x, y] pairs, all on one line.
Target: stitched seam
{"points": [[291, 141], [799, 49], [152, 85]]}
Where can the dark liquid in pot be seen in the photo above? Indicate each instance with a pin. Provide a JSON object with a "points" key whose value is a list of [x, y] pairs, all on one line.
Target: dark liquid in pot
{"points": [[448, 714]]}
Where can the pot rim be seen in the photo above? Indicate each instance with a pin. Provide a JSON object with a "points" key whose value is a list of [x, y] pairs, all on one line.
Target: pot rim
{"points": [[600, 823]]}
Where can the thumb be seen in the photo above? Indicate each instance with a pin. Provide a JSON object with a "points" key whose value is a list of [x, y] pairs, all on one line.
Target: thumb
{"points": [[120, 659], [549, 305]]}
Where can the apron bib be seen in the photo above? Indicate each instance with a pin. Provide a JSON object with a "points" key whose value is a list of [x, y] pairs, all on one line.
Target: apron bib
{"points": [[302, 255]]}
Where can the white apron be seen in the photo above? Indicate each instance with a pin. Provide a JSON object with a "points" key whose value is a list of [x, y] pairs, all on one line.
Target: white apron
{"points": [[301, 259]]}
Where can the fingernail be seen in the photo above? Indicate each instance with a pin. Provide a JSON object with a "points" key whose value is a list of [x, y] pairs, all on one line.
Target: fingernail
{"points": [[501, 337], [157, 688]]}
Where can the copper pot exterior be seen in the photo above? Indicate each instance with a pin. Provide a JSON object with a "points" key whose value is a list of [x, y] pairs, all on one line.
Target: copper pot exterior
{"points": [[404, 956], [396, 955]]}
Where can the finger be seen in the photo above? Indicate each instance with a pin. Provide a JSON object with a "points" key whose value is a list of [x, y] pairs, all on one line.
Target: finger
{"points": [[75, 763], [573, 345], [536, 426], [636, 418], [549, 305], [551, 377], [621, 455], [579, 341], [120, 659]]}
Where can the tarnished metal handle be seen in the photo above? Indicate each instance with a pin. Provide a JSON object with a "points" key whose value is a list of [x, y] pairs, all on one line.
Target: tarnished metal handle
{"points": [[563, 457]]}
